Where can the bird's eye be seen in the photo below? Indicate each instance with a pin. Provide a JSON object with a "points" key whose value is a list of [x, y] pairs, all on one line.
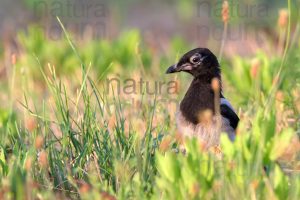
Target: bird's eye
{"points": [[195, 59]]}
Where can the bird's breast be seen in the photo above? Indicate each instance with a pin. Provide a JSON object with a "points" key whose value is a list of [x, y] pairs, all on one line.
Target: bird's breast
{"points": [[208, 133]]}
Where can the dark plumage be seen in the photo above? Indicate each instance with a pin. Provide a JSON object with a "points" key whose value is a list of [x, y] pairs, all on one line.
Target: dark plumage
{"points": [[203, 65], [228, 113]]}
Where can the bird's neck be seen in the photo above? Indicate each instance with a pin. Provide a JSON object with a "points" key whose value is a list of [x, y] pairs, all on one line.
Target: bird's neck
{"points": [[198, 98]]}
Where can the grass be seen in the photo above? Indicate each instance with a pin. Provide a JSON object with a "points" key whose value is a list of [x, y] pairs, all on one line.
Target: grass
{"points": [[67, 135]]}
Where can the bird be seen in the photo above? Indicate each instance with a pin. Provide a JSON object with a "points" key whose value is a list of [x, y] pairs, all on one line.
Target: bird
{"points": [[204, 113]]}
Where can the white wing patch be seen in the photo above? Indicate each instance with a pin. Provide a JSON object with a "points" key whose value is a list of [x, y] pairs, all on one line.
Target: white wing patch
{"points": [[227, 103]]}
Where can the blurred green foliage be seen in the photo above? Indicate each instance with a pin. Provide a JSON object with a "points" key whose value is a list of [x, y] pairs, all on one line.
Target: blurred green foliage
{"points": [[123, 164]]}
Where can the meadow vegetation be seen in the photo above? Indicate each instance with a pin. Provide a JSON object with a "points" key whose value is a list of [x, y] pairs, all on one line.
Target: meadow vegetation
{"points": [[66, 133]]}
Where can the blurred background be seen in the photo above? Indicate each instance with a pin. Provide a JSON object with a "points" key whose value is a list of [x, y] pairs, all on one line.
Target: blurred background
{"points": [[63, 130], [195, 21], [107, 32]]}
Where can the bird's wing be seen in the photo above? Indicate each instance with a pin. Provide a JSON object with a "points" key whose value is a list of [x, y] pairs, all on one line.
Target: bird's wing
{"points": [[228, 112]]}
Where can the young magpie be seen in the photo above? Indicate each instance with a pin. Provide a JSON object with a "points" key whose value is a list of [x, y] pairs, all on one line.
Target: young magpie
{"points": [[199, 100]]}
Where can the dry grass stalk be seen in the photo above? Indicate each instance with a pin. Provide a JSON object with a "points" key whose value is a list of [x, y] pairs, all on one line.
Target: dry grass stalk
{"points": [[283, 19], [225, 12], [254, 70], [215, 84], [225, 18]]}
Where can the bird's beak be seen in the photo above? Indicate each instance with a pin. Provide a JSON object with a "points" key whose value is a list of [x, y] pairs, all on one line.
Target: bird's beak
{"points": [[172, 69]]}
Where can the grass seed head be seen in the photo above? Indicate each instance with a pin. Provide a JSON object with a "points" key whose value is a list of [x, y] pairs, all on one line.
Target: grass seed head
{"points": [[165, 143], [279, 96], [31, 124], [225, 12], [13, 59], [215, 85], [43, 159], [254, 184], [255, 65], [179, 138], [39, 142], [84, 187], [283, 18], [28, 163]]}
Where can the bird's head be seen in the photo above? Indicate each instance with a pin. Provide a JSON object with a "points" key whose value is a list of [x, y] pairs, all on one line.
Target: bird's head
{"points": [[199, 62]]}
